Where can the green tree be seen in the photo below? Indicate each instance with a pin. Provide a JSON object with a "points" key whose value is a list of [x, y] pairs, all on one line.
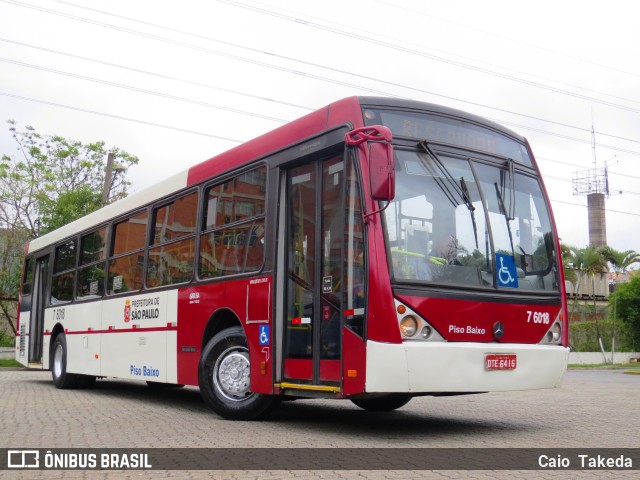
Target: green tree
{"points": [[68, 206], [11, 252], [45, 170], [626, 300], [588, 261], [566, 251], [48, 182], [620, 261]]}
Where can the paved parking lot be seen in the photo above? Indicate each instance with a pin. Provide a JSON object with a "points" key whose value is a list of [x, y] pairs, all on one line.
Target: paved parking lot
{"points": [[593, 409]]}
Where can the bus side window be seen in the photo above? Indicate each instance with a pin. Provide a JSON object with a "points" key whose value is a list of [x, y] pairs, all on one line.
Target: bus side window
{"points": [[233, 226], [91, 265], [63, 273], [127, 254], [27, 279], [173, 253]]}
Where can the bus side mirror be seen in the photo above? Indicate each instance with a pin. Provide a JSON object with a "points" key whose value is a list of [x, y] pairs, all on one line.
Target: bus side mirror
{"points": [[376, 142], [382, 173]]}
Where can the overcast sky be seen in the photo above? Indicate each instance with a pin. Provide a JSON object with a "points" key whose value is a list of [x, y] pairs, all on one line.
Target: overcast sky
{"points": [[177, 82]]}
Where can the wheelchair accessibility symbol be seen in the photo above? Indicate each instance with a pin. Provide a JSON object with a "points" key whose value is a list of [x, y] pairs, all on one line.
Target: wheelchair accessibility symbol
{"points": [[264, 335], [506, 272]]}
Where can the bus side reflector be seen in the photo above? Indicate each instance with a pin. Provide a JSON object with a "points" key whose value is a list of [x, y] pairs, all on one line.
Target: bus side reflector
{"points": [[352, 373], [97, 356], [263, 368]]}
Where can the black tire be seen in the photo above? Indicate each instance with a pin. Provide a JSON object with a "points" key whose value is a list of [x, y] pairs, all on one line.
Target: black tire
{"points": [[160, 385], [385, 403], [223, 376], [58, 362]]}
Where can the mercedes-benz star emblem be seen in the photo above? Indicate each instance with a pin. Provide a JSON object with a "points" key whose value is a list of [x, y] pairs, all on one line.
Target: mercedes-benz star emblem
{"points": [[498, 330]]}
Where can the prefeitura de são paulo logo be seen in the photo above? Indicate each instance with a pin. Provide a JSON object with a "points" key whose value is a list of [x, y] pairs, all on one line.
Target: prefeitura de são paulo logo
{"points": [[127, 310]]}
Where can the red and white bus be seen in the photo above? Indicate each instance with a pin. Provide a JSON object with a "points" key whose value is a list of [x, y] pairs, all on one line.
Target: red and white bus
{"points": [[374, 250]]}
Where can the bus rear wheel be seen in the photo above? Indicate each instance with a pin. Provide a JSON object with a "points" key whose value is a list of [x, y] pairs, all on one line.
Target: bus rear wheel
{"points": [[224, 378], [384, 403]]}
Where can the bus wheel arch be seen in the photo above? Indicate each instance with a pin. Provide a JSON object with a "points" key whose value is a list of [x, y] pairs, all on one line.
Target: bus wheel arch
{"points": [[58, 352], [221, 319], [224, 377], [58, 362]]}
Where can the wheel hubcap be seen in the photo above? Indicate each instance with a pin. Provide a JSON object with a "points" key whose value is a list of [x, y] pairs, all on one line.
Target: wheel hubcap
{"points": [[57, 361], [231, 374]]}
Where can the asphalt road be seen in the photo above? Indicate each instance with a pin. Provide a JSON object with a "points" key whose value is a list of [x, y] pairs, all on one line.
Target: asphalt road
{"points": [[593, 409]]}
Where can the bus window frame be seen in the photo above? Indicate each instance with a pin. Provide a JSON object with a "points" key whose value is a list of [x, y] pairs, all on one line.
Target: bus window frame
{"points": [[474, 157], [104, 261], [27, 272], [153, 209], [52, 274], [110, 257], [205, 187]]}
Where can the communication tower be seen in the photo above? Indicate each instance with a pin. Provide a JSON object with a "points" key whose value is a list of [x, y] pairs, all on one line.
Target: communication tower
{"points": [[594, 183]]}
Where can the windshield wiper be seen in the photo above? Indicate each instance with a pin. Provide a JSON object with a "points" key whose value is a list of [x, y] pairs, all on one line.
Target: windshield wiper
{"points": [[451, 196], [467, 200], [504, 212], [460, 189], [510, 212]]}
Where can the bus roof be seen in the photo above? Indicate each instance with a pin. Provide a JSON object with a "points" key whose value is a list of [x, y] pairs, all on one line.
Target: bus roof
{"points": [[405, 104], [345, 111]]}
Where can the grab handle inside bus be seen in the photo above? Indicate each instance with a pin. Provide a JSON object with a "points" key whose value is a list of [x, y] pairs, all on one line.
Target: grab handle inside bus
{"points": [[376, 142]]}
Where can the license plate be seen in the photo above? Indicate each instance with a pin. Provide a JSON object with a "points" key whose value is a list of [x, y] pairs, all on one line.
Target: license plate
{"points": [[500, 361]]}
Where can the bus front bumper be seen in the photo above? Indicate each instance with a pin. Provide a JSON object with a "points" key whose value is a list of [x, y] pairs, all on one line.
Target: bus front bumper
{"points": [[443, 367]]}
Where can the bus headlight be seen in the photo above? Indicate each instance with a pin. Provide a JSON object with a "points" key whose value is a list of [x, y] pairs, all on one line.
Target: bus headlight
{"points": [[426, 332], [413, 327], [408, 326], [554, 334]]}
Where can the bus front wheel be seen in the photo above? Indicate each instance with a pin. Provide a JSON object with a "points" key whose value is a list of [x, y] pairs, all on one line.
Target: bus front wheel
{"points": [[224, 378], [385, 403]]}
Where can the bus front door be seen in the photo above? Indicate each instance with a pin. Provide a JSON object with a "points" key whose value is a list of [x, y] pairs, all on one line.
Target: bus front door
{"points": [[314, 266]]}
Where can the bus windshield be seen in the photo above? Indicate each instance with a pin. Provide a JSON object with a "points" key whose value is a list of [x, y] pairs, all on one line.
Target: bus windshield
{"points": [[465, 222]]}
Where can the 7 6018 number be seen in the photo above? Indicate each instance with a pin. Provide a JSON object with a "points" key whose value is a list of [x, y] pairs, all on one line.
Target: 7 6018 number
{"points": [[538, 317]]}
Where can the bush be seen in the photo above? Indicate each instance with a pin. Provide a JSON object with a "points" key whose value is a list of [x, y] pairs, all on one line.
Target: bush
{"points": [[583, 336], [6, 340], [625, 302]]}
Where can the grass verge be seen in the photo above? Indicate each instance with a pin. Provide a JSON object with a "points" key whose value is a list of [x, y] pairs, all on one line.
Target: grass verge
{"points": [[9, 363], [634, 367]]}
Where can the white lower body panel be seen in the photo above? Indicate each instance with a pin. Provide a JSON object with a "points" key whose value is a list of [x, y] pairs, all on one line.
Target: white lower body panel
{"points": [[434, 367]]}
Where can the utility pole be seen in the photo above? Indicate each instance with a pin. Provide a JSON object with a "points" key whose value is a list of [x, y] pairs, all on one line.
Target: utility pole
{"points": [[108, 179]]}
